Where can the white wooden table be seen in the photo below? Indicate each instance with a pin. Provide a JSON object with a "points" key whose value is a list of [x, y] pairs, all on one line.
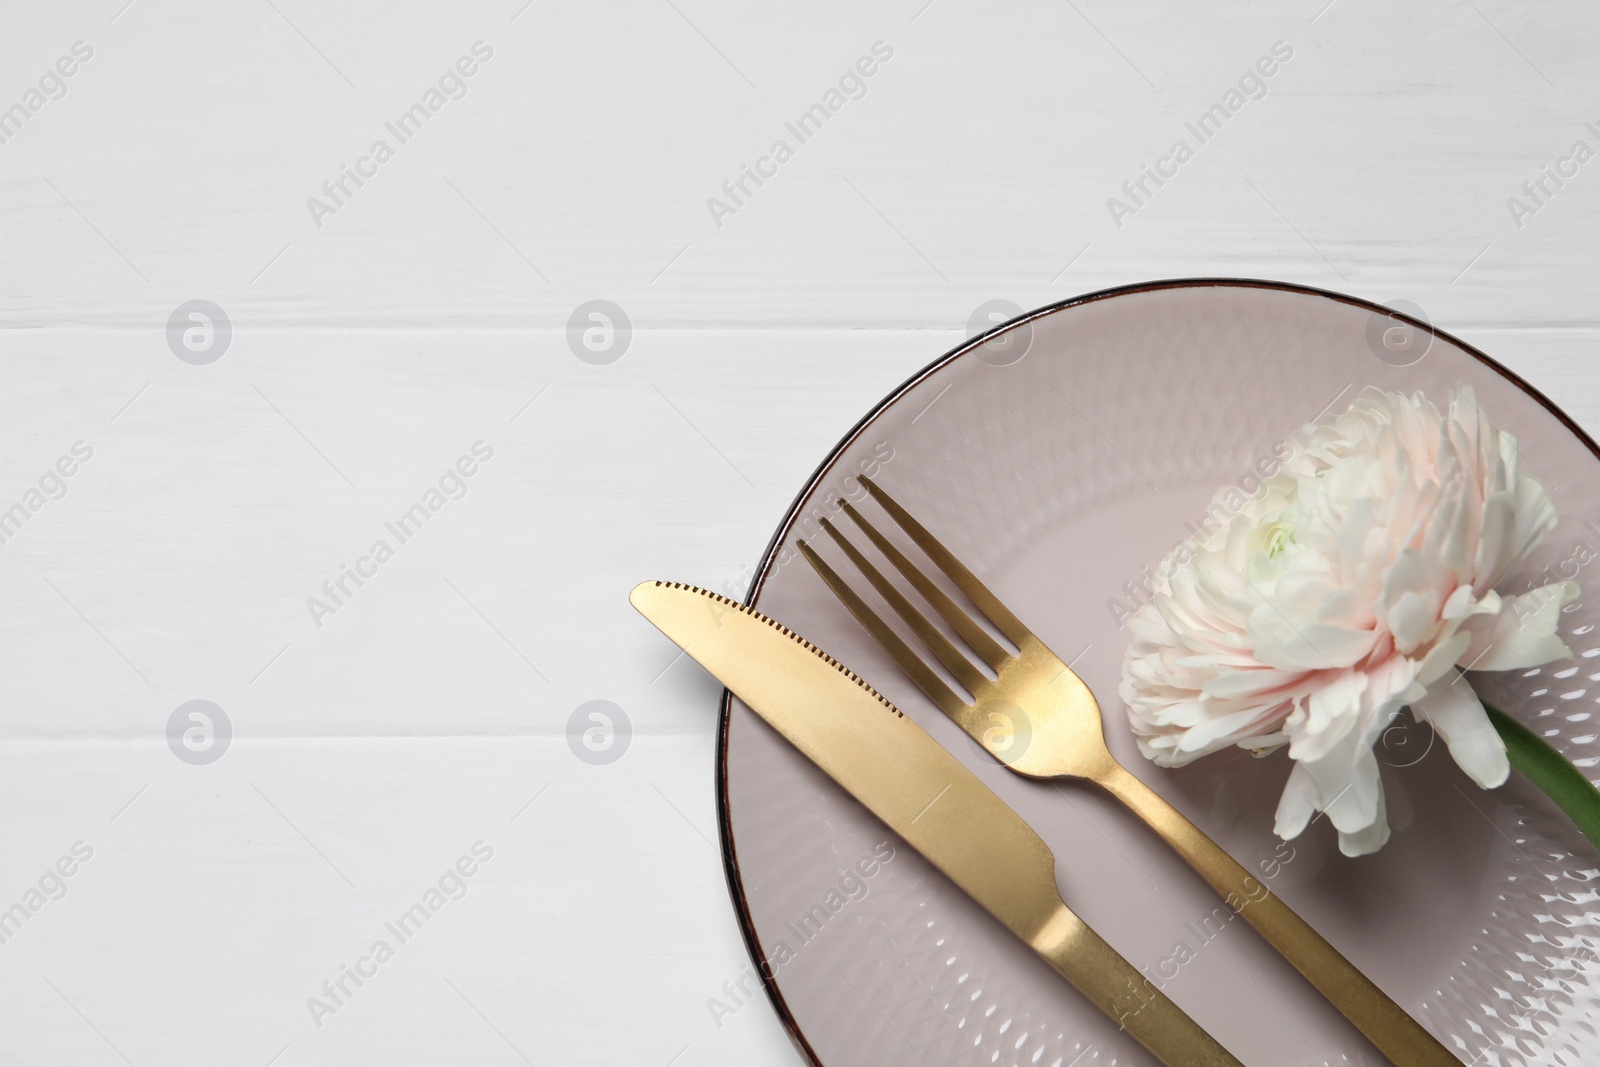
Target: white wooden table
{"points": [[359, 338]]}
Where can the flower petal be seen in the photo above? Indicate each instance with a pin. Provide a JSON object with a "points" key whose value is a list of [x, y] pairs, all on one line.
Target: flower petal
{"points": [[1298, 803], [1455, 711], [1442, 657], [1309, 646], [1344, 783], [1369, 839], [1523, 634]]}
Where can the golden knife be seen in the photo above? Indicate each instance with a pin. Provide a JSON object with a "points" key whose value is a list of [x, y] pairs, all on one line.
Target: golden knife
{"points": [[925, 795]]}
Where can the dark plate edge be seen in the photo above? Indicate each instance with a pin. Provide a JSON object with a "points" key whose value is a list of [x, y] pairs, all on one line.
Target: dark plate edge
{"points": [[730, 859]]}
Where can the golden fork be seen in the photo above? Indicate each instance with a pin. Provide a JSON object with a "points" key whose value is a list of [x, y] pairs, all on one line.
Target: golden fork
{"points": [[1067, 740]]}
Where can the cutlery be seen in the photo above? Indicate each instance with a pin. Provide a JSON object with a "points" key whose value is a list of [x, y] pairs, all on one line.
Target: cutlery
{"points": [[1034, 693], [925, 795]]}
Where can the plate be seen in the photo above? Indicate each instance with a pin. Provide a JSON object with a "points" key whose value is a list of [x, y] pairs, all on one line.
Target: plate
{"points": [[1059, 456]]}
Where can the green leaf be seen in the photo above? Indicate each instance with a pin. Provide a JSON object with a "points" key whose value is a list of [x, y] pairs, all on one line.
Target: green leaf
{"points": [[1551, 772]]}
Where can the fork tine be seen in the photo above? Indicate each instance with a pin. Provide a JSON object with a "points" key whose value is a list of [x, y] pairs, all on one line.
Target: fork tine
{"points": [[953, 659], [964, 579], [920, 673], [973, 634]]}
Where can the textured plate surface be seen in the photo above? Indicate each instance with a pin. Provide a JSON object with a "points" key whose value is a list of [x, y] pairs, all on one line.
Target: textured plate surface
{"points": [[1058, 476]]}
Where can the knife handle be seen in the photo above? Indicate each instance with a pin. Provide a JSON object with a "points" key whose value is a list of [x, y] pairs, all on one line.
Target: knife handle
{"points": [[1396, 1034], [1129, 998]]}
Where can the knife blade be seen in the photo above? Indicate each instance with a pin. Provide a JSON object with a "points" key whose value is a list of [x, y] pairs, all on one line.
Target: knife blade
{"points": [[925, 795]]}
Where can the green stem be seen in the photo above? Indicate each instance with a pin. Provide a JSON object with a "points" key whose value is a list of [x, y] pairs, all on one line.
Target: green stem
{"points": [[1551, 772]]}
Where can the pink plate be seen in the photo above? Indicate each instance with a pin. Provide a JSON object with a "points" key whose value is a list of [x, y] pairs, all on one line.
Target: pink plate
{"points": [[1058, 457]]}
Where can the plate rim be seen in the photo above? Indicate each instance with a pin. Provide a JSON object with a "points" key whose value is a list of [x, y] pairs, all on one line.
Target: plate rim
{"points": [[729, 851]]}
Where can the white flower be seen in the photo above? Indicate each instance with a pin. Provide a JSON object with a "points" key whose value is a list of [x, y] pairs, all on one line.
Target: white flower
{"points": [[1359, 579]]}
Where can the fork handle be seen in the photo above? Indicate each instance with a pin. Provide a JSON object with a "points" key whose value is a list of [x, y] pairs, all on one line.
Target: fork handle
{"points": [[1398, 1036]]}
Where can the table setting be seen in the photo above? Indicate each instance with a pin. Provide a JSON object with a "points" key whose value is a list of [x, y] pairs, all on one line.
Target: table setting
{"points": [[1322, 626], [682, 534]]}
